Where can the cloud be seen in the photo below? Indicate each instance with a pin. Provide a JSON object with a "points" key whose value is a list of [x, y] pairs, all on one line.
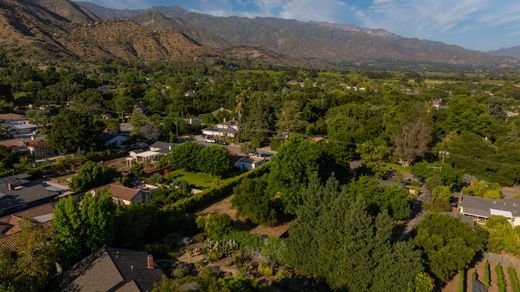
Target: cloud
{"points": [[421, 17]]}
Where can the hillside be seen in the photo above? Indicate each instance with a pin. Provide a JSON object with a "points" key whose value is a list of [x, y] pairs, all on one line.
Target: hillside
{"points": [[47, 34], [60, 28], [332, 43], [511, 52]]}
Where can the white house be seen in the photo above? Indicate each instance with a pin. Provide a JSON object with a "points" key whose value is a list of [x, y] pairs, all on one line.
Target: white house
{"points": [[480, 209], [226, 129], [249, 163]]}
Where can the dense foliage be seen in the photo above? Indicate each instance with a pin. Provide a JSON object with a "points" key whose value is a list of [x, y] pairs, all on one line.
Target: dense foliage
{"points": [[448, 244], [252, 201], [341, 234], [92, 175]]}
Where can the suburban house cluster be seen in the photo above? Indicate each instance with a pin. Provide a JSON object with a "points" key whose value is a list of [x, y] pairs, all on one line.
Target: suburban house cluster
{"points": [[125, 195]]}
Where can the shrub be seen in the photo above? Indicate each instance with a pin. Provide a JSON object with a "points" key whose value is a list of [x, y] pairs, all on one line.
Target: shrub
{"points": [[252, 201], [487, 275], [214, 225], [515, 285], [501, 281], [462, 281]]}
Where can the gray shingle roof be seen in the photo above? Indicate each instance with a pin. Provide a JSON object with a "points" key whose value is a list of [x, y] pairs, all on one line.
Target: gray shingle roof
{"points": [[111, 269], [485, 207]]}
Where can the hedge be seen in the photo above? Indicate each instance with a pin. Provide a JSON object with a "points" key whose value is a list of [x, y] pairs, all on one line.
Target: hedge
{"points": [[462, 281], [487, 275], [514, 279], [501, 281], [209, 196]]}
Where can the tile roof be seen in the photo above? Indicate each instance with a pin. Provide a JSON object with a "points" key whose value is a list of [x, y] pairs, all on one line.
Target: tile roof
{"points": [[12, 241], [111, 269], [12, 117], [119, 191]]}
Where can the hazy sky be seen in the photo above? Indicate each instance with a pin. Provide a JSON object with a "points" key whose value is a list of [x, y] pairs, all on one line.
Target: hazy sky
{"points": [[474, 24]]}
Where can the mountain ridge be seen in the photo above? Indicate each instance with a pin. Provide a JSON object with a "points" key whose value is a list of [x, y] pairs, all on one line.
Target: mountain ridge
{"points": [[507, 52], [85, 31]]}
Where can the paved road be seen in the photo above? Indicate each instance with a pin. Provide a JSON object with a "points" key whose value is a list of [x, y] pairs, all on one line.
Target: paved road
{"points": [[417, 211]]}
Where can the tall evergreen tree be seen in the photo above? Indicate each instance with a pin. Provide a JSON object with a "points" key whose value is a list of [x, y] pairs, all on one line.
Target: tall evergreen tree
{"points": [[351, 250]]}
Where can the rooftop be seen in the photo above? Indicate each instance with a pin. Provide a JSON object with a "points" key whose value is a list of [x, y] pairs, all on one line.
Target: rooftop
{"points": [[488, 207], [19, 192], [111, 269], [163, 147], [119, 191], [12, 117]]}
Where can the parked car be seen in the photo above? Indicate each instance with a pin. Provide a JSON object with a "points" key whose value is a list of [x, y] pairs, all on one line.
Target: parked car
{"points": [[210, 140], [220, 142]]}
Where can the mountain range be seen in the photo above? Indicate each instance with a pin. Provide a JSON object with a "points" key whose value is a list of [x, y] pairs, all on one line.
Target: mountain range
{"points": [[85, 31], [511, 52]]}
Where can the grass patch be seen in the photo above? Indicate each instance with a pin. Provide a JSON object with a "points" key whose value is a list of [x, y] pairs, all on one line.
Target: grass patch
{"points": [[198, 179], [399, 168]]}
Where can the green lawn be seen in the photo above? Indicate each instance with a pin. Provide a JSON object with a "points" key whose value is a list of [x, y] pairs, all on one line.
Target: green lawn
{"points": [[199, 179]]}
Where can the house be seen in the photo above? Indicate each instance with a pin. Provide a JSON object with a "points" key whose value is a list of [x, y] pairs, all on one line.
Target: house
{"points": [[480, 209], [226, 129], [125, 195], [40, 148], [113, 269], [19, 125], [162, 147], [152, 155], [20, 192], [10, 225], [249, 163], [17, 146], [113, 140]]}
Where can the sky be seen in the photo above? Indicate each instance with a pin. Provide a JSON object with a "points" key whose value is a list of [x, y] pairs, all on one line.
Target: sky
{"points": [[473, 24]]}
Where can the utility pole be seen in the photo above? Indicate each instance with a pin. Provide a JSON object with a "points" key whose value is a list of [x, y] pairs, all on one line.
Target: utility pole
{"points": [[443, 154]]}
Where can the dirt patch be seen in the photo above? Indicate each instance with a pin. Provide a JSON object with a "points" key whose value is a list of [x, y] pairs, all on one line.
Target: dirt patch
{"points": [[222, 207]]}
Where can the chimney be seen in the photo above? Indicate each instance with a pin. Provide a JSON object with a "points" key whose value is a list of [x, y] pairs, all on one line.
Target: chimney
{"points": [[10, 186], [33, 138], [149, 260]]}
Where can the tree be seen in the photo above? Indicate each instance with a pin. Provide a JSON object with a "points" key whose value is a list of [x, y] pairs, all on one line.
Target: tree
{"points": [[35, 262], [290, 171], [440, 199], [150, 132], [214, 225], [448, 244], [41, 118], [412, 142], [438, 174], [260, 120], [467, 114], [7, 269], [74, 131], [185, 155], [92, 175], [290, 119], [67, 229], [137, 119], [131, 235], [373, 153], [98, 214], [351, 250], [393, 200], [354, 123], [503, 236], [251, 200], [482, 189], [214, 160]]}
